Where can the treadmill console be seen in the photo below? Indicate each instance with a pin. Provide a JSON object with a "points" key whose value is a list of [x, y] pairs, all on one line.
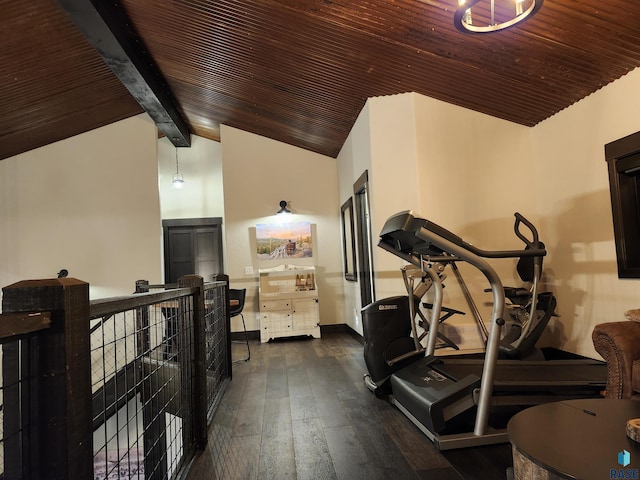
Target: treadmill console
{"points": [[399, 234]]}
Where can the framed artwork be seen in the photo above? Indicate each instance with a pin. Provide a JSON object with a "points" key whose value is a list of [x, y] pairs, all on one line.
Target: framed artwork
{"points": [[283, 240], [348, 240]]}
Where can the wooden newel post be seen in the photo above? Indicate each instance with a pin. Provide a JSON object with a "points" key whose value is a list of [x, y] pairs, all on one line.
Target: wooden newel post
{"points": [[59, 444], [199, 354]]}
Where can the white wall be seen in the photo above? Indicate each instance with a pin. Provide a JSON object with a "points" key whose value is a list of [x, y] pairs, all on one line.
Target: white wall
{"points": [[393, 179], [258, 173], [201, 166], [575, 208], [354, 158], [88, 204]]}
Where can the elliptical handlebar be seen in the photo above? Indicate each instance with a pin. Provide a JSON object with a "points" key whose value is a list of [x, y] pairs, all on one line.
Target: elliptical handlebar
{"points": [[520, 219], [533, 248]]}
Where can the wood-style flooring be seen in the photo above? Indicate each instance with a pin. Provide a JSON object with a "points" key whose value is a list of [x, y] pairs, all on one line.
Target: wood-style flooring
{"points": [[298, 409]]}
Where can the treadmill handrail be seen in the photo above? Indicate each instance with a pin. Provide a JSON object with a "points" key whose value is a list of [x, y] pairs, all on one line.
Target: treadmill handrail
{"points": [[416, 259], [491, 351], [406, 222], [529, 252]]}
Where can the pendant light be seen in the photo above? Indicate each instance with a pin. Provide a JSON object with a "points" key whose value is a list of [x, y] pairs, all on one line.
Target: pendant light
{"points": [[178, 180], [488, 16]]}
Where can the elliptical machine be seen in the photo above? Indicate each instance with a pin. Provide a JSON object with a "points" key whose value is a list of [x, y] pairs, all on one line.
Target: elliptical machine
{"points": [[525, 318], [434, 392]]}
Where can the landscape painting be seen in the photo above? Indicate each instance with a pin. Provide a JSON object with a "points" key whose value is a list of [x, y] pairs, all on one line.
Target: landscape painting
{"points": [[283, 240]]}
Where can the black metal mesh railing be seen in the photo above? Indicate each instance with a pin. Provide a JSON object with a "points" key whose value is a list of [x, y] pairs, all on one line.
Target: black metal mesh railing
{"points": [[159, 365], [141, 376], [218, 355]]}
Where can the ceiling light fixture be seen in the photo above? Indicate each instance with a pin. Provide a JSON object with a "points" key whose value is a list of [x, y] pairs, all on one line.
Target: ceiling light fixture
{"points": [[178, 180], [492, 15], [283, 207]]}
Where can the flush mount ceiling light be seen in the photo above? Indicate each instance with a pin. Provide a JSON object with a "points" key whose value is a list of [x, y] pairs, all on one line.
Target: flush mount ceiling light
{"points": [[178, 180], [283, 207], [488, 16]]}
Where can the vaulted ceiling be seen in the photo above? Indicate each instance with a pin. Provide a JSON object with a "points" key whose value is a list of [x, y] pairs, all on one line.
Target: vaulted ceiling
{"points": [[300, 71]]}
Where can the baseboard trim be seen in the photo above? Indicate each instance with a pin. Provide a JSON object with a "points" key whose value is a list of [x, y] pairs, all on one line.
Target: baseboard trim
{"points": [[324, 329], [341, 328], [239, 336]]}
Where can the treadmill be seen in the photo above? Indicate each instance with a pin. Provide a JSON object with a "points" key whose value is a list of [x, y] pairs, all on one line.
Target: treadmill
{"points": [[457, 401]]}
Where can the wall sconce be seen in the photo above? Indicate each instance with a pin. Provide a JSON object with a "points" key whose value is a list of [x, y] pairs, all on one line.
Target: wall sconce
{"points": [[178, 180], [283, 208]]}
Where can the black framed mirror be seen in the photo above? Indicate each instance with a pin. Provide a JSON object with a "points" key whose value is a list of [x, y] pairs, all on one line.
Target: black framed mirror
{"points": [[348, 240]]}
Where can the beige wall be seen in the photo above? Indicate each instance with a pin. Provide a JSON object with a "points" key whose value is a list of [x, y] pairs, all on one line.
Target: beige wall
{"points": [[446, 164], [575, 209], [88, 204], [258, 173], [476, 171]]}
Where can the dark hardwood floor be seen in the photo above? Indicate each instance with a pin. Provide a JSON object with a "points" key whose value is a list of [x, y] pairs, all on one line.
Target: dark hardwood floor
{"points": [[299, 410]]}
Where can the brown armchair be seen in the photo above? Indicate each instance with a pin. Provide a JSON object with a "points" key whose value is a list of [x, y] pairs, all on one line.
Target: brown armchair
{"points": [[619, 345]]}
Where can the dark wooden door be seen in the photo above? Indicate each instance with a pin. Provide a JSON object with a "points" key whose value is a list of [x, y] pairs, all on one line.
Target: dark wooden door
{"points": [[192, 246]]}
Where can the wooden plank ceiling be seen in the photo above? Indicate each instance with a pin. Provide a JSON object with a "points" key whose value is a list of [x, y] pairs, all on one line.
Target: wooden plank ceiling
{"points": [[300, 71]]}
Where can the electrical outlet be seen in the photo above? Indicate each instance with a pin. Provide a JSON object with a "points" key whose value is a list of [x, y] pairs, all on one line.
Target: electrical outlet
{"points": [[248, 270]]}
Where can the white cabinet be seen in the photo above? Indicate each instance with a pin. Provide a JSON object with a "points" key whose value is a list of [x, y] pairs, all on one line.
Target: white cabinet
{"points": [[276, 317], [288, 302]]}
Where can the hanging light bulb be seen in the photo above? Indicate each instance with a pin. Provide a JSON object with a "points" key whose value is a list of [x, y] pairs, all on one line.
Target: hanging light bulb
{"points": [[178, 180]]}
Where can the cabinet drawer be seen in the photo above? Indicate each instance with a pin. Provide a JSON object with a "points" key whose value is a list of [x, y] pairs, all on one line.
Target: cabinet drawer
{"points": [[273, 305], [276, 322]]}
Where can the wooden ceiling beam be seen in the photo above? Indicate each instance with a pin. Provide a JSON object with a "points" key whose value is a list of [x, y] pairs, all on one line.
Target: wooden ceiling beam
{"points": [[107, 28]]}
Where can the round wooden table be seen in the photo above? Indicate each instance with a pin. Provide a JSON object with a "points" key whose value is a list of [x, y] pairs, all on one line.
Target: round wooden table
{"points": [[575, 439]]}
